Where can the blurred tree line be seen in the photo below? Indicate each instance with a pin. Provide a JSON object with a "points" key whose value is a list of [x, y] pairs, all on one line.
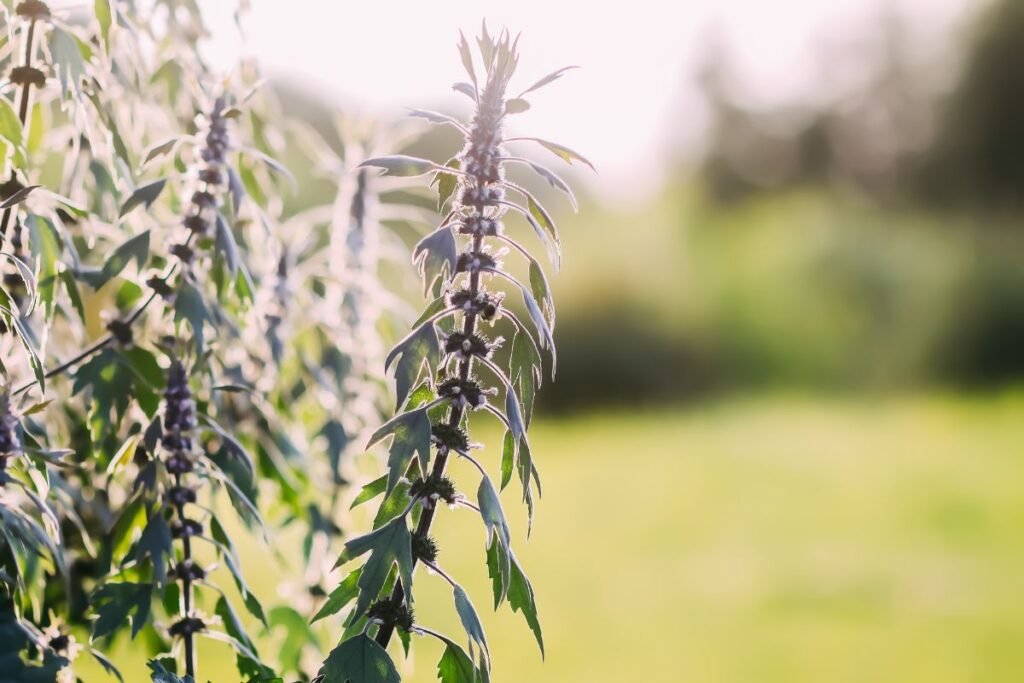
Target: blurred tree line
{"points": [[873, 239]]}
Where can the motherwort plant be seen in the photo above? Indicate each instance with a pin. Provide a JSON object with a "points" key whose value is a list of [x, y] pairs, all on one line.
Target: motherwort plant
{"points": [[447, 372]]}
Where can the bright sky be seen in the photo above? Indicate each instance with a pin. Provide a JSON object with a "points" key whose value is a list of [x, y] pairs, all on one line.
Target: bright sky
{"points": [[625, 108]]}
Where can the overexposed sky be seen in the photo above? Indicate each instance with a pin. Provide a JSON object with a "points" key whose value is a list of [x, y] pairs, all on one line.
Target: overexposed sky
{"points": [[630, 104]]}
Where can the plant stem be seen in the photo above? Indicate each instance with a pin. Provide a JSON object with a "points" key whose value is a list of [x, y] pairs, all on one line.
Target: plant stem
{"points": [[23, 103], [186, 589], [441, 461]]}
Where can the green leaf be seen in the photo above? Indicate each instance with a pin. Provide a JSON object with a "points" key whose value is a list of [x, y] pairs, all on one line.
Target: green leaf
{"points": [[395, 504], [135, 248], [467, 89], [124, 454], [525, 371], [113, 603], [411, 433], [455, 666], [47, 247], [447, 183], [107, 378], [105, 17], [403, 166], [159, 674], [516, 106], [156, 543], [467, 57], [435, 256], [497, 525], [389, 545], [18, 197], [189, 305], [346, 591], [553, 76], [561, 151], [160, 149], [556, 182], [10, 124], [421, 349], [66, 52], [543, 219], [470, 622], [370, 491], [437, 118], [226, 245], [508, 454], [521, 598], [359, 660], [526, 471], [144, 194]]}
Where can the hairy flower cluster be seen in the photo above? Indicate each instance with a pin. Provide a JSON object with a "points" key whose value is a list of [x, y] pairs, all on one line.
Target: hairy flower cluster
{"points": [[390, 611], [474, 262], [424, 548], [484, 305], [483, 226], [212, 174], [463, 345], [434, 488], [444, 435], [464, 393]]}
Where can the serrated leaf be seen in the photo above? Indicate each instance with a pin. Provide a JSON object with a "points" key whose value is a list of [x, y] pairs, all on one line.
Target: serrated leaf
{"points": [[135, 248], [525, 371], [553, 76], [359, 660], [447, 183], [455, 666], [47, 247], [114, 603], [471, 622], [467, 57], [346, 591], [411, 431], [389, 545], [402, 165], [370, 491], [555, 181], [436, 117], [421, 349], [563, 152], [144, 194], [521, 599], [435, 256], [68, 61], [189, 305]]}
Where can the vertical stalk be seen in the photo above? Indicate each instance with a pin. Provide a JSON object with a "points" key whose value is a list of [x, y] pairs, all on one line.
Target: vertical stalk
{"points": [[24, 99]]}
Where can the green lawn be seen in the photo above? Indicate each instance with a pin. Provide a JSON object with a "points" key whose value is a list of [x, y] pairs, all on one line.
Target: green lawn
{"points": [[770, 539]]}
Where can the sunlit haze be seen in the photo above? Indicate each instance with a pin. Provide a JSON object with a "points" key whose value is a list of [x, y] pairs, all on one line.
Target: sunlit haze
{"points": [[637, 60]]}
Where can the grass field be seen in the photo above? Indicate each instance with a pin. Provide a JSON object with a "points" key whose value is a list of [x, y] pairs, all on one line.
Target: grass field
{"points": [[769, 539]]}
